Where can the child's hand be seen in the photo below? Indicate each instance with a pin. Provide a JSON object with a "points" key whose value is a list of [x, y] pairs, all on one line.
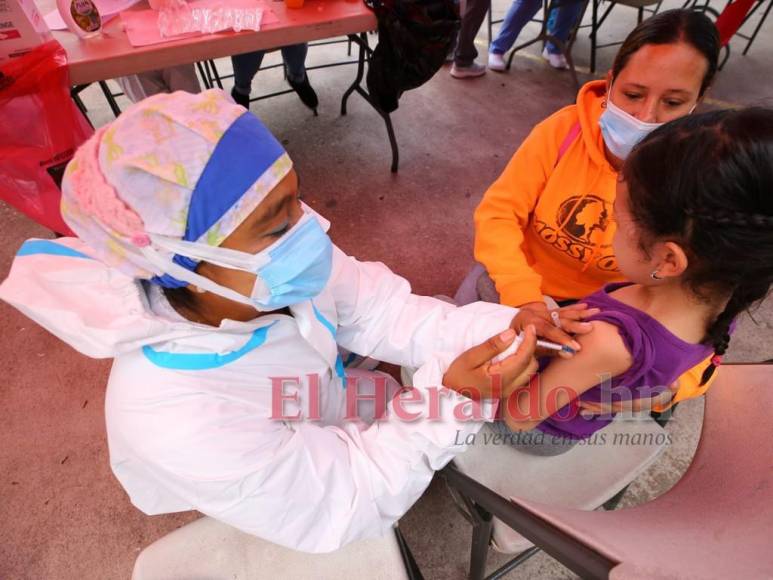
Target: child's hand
{"points": [[570, 321], [474, 375]]}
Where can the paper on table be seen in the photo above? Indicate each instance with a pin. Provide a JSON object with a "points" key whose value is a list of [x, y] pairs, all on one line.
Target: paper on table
{"points": [[141, 26], [107, 10]]}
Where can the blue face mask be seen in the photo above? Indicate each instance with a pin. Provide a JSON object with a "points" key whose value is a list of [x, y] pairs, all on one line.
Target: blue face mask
{"points": [[622, 131], [293, 269], [298, 267]]}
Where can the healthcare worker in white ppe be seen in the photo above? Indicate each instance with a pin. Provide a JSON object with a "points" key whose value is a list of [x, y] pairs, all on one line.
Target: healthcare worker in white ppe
{"points": [[223, 302]]}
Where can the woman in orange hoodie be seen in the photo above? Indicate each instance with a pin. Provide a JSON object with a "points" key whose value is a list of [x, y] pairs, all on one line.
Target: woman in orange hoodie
{"points": [[545, 226]]}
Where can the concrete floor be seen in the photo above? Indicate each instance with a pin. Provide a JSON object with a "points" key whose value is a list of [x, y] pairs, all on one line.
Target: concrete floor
{"points": [[62, 513]]}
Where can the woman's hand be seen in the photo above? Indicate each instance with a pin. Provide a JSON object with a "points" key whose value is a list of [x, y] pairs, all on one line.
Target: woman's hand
{"points": [[570, 322], [474, 375]]}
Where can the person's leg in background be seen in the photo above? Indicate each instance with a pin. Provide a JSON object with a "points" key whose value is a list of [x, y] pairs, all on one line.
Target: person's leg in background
{"points": [[452, 48], [518, 15], [464, 60], [181, 78], [560, 24], [245, 68], [165, 80], [294, 57]]}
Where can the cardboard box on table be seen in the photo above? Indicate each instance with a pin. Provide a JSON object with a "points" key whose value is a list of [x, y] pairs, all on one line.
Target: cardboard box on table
{"points": [[22, 28]]}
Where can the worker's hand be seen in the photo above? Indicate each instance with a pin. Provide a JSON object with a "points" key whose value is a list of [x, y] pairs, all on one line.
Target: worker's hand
{"points": [[660, 400], [570, 321], [474, 375]]}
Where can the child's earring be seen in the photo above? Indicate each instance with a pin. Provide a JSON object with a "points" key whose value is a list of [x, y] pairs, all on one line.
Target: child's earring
{"points": [[654, 275]]}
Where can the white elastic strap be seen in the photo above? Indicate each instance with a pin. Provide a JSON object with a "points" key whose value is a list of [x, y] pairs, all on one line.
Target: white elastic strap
{"points": [[165, 266], [225, 257]]}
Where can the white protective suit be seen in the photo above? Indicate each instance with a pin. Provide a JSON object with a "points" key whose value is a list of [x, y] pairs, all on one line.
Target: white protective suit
{"points": [[189, 406]]}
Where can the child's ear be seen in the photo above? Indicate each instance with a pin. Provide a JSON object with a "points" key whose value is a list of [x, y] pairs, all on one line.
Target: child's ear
{"points": [[672, 260]]}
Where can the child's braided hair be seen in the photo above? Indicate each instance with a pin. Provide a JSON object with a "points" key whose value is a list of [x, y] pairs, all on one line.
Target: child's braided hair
{"points": [[706, 182]]}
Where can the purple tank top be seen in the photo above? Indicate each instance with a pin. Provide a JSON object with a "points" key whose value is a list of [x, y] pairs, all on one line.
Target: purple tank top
{"points": [[659, 358]]}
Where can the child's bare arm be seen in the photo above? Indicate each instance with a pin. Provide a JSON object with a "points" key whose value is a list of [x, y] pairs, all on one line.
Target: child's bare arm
{"points": [[603, 353]]}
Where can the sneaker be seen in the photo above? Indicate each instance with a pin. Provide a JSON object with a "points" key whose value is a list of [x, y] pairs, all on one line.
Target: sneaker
{"points": [[556, 60], [305, 93], [240, 98], [466, 72], [496, 62]]}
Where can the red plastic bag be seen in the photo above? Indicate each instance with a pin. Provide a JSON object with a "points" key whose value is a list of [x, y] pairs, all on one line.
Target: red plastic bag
{"points": [[40, 129]]}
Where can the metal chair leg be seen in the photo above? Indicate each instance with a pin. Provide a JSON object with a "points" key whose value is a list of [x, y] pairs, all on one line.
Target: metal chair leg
{"points": [[594, 28], [411, 567], [110, 98], [481, 536], [757, 29], [210, 64], [490, 26], [513, 564], [204, 75], [360, 71], [566, 50], [79, 103]]}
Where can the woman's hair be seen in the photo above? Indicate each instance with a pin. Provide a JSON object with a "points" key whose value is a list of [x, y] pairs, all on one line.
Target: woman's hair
{"points": [[706, 182], [181, 299], [670, 27]]}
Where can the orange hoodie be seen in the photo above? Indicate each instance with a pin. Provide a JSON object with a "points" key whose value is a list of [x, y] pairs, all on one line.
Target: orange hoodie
{"points": [[546, 228]]}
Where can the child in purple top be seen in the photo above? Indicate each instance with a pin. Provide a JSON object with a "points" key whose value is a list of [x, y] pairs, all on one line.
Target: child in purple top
{"points": [[694, 215], [658, 358]]}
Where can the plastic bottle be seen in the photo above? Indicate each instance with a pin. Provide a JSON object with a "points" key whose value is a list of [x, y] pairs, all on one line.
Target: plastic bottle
{"points": [[81, 17]]}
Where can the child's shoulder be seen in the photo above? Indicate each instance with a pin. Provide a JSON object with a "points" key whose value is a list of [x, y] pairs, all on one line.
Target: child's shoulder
{"points": [[603, 353], [604, 348]]}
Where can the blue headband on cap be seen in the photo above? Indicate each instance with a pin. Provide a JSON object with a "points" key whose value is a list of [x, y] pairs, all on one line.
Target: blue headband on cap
{"points": [[245, 152]]}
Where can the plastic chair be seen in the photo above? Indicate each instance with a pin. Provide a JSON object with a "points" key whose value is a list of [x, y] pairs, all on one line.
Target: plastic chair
{"points": [[565, 47], [715, 522], [733, 16], [586, 477], [596, 22], [210, 549], [762, 20]]}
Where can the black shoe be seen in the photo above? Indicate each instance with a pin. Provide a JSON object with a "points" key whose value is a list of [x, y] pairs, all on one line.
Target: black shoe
{"points": [[306, 93], [240, 99]]}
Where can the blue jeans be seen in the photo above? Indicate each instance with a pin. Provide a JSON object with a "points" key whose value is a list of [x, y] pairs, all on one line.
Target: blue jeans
{"points": [[246, 66], [560, 23]]}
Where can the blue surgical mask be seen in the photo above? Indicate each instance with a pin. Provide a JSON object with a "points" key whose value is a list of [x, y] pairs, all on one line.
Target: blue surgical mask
{"points": [[622, 131], [298, 267], [293, 269]]}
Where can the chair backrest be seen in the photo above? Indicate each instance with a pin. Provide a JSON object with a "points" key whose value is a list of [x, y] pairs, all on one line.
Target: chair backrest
{"points": [[731, 19], [716, 522]]}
